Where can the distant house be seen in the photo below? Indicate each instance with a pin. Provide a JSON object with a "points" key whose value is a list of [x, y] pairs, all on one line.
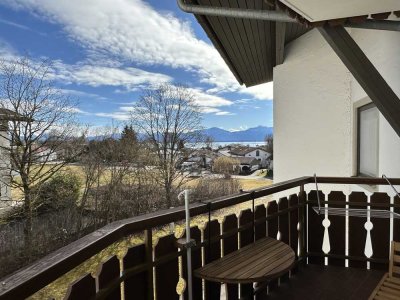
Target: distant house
{"points": [[6, 116], [202, 158], [225, 150], [45, 154], [258, 153], [248, 164]]}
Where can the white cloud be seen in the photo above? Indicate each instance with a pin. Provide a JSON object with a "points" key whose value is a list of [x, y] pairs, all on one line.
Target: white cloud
{"points": [[131, 30], [78, 111], [209, 110], [81, 94], [204, 99], [120, 116], [127, 108], [224, 113], [261, 92], [128, 78]]}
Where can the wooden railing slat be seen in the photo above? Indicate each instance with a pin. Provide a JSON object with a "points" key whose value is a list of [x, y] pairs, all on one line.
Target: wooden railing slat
{"points": [[136, 286], [110, 271], [337, 230], [380, 234], [167, 274], [272, 229], [245, 238], [315, 230], [396, 222], [260, 228], [283, 220], [83, 288], [357, 232], [212, 289], [230, 244], [197, 289], [293, 224]]}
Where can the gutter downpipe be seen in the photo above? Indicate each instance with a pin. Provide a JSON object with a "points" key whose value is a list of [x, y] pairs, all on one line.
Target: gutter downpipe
{"points": [[376, 24], [272, 15], [266, 15]]}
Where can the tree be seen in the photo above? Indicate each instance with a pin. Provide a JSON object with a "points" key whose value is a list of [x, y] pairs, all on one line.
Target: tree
{"points": [[226, 165], [269, 145], [44, 126], [168, 117], [209, 142], [128, 135]]}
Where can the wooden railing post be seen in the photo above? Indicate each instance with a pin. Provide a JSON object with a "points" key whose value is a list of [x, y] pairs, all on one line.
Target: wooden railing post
{"points": [[303, 224], [148, 240]]}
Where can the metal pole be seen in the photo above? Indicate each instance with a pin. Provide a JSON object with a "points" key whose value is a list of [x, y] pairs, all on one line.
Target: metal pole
{"points": [[316, 187], [188, 249], [394, 189]]}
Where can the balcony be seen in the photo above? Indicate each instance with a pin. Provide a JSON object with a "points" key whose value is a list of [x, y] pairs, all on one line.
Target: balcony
{"points": [[341, 261]]}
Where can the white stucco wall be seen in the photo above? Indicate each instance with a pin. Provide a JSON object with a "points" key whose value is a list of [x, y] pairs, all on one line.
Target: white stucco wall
{"points": [[263, 156], [315, 101], [5, 190]]}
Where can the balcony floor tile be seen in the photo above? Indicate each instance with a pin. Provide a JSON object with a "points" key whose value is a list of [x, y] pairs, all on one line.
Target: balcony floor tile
{"points": [[328, 283]]}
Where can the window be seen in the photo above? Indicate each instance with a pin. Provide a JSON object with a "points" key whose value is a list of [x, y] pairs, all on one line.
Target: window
{"points": [[257, 153], [368, 140]]}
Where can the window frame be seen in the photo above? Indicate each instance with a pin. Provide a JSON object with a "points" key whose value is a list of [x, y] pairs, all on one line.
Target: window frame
{"points": [[359, 111]]}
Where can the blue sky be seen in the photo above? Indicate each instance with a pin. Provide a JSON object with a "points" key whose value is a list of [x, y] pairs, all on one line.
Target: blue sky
{"points": [[104, 52]]}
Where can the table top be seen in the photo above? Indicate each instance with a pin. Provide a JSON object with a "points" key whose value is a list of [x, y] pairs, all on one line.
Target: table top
{"points": [[260, 261]]}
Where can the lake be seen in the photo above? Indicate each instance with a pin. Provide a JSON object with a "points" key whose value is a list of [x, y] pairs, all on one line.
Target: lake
{"points": [[216, 145]]}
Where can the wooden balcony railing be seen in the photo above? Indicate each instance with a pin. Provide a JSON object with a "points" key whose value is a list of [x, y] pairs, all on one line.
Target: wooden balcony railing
{"points": [[149, 271]]}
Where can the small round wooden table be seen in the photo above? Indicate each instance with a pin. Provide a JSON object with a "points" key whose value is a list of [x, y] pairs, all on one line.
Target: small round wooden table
{"points": [[260, 261]]}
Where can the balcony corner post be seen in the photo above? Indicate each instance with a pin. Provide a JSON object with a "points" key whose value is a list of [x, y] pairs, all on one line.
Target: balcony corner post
{"points": [[303, 225], [148, 240]]}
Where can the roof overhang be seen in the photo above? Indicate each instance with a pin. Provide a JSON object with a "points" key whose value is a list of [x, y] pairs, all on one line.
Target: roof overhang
{"points": [[250, 48], [322, 10]]}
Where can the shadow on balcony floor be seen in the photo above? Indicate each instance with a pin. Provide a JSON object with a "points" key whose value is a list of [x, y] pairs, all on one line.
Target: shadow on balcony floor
{"points": [[328, 283]]}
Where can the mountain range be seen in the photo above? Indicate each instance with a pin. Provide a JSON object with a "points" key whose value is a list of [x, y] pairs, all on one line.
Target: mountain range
{"points": [[254, 134]]}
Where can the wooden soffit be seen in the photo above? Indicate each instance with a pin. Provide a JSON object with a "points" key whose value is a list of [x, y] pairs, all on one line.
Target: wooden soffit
{"points": [[250, 48]]}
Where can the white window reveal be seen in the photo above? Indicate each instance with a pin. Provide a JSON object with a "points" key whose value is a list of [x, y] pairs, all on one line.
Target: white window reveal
{"points": [[368, 140]]}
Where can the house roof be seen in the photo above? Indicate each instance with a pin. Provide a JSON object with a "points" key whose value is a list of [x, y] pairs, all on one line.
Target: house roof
{"points": [[247, 160], [9, 115], [252, 48], [244, 150]]}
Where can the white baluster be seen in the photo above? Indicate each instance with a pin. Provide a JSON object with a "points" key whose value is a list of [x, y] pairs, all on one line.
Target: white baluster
{"points": [[326, 245], [368, 251]]}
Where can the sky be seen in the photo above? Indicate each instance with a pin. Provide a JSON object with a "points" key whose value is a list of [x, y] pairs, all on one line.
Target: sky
{"points": [[105, 52]]}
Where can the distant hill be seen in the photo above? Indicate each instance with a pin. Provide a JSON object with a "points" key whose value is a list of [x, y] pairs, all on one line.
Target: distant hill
{"points": [[249, 135], [255, 134]]}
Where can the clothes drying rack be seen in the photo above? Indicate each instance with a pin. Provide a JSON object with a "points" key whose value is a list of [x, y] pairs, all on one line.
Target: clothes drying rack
{"points": [[355, 212]]}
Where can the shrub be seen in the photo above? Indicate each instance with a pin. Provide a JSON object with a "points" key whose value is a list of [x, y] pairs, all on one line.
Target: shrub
{"points": [[120, 201], [226, 165], [210, 188], [60, 192]]}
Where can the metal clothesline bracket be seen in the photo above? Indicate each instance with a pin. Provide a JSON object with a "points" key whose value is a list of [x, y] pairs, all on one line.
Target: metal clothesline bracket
{"points": [[355, 212]]}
